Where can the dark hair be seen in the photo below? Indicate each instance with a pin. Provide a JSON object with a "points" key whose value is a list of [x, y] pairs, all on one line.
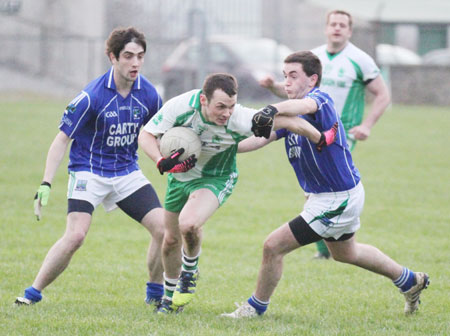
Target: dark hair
{"points": [[338, 11], [119, 37], [310, 63], [226, 82]]}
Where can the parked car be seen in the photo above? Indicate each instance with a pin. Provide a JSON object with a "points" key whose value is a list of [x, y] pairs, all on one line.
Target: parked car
{"points": [[248, 59], [437, 57], [388, 54]]}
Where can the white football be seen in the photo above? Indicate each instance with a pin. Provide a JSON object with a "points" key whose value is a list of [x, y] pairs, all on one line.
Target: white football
{"points": [[180, 137]]}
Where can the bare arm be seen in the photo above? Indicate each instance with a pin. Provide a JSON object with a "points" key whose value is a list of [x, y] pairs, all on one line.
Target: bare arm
{"points": [[299, 126], [277, 88], [293, 124], [294, 107], [55, 155], [149, 145], [381, 101], [254, 143]]}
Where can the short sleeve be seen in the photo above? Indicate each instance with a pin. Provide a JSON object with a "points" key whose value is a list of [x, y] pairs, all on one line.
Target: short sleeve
{"points": [[76, 115], [241, 120], [166, 117]]}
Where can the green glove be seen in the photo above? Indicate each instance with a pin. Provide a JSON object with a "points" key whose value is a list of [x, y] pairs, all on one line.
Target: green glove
{"points": [[41, 198]]}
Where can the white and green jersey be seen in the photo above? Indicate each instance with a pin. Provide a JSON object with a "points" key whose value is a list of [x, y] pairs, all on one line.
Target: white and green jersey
{"points": [[344, 77], [219, 143]]}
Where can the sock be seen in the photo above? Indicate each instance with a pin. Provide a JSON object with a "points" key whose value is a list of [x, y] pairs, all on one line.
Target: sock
{"points": [[169, 286], [322, 247], [33, 294], [406, 280], [190, 264], [259, 305], [155, 291]]}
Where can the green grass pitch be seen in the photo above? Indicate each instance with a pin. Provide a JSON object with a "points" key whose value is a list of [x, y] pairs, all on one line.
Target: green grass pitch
{"points": [[405, 168]]}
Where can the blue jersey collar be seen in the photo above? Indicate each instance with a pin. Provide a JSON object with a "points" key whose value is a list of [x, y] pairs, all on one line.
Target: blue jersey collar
{"points": [[110, 84]]}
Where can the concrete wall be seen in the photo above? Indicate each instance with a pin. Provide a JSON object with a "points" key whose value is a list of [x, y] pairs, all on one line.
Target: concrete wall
{"points": [[53, 38], [420, 85]]}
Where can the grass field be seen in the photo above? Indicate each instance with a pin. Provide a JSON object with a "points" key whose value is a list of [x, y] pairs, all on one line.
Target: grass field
{"points": [[405, 168]]}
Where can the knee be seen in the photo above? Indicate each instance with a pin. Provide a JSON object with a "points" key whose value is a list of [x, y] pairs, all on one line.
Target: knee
{"points": [[153, 221], [74, 239], [158, 233], [345, 257], [170, 241], [188, 226], [270, 248]]}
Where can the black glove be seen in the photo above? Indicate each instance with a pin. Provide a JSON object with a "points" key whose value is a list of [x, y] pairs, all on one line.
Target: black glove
{"points": [[173, 165], [262, 121]]}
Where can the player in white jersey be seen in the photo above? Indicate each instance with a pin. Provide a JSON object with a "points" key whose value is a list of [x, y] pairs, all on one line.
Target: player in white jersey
{"points": [[102, 124], [197, 187], [347, 72]]}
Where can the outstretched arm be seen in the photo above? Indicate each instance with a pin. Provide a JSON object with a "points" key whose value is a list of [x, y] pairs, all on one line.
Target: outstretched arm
{"points": [[253, 143], [294, 107], [381, 101], [277, 88], [263, 120], [299, 126], [304, 128]]}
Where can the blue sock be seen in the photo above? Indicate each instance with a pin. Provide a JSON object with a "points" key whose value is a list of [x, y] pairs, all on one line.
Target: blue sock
{"points": [[33, 294], [155, 291], [259, 305], [406, 280]]}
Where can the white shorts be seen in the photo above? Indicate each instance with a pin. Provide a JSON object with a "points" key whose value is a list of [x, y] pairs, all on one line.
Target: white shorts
{"points": [[96, 189], [333, 214]]}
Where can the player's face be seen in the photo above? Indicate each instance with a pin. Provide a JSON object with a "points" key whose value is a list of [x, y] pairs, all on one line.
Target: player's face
{"points": [[131, 58], [219, 108], [296, 83], [338, 29]]}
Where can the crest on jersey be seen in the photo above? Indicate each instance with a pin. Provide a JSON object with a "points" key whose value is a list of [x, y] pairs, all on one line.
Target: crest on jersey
{"points": [[70, 109], [136, 113], [216, 139]]}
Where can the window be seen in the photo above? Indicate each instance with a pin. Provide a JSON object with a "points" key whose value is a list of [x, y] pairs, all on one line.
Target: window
{"points": [[432, 36]]}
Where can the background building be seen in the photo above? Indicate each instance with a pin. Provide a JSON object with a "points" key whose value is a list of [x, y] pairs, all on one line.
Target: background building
{"points": [[58, 45]]}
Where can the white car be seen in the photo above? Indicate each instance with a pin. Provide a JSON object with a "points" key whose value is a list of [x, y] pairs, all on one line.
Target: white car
{"points": [[388, 54], [437, 57], [248, 59]]}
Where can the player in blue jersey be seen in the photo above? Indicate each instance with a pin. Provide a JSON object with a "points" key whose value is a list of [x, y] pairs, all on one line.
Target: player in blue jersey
{"points": [[102, 124], [332, 212], [348, 72]]}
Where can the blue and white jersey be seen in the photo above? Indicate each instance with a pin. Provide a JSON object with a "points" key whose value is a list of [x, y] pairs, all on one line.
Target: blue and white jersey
{"points": [[330, 170], [105, 126]]}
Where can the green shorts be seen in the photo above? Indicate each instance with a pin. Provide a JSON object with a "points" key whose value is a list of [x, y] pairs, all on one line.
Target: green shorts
{"points": [[178, 192]]}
